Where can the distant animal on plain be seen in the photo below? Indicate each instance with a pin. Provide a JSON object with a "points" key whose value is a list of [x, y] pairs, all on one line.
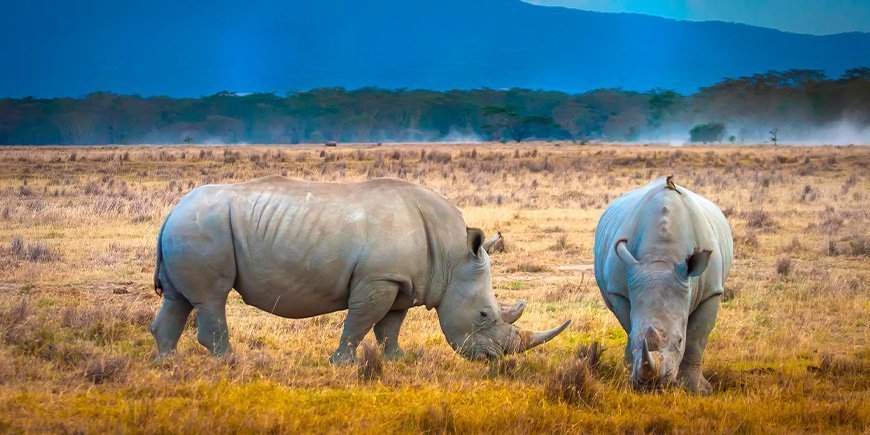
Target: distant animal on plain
{"points": [[299, 249], [662, 254]]}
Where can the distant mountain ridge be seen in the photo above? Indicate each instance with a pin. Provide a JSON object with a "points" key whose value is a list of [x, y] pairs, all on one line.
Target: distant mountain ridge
{"points": [[179, 49]]}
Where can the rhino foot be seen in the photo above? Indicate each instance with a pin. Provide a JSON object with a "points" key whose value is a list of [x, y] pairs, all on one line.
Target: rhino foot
{"points": [[162, 358], [340, 357], [693, 381], [394, 354]]}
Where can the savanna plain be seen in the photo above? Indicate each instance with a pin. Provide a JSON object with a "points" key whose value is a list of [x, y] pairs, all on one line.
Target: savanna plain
{"points": [[78, 227]]}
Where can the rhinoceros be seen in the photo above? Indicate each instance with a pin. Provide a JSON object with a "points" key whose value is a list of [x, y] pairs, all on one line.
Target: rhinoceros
{"points": [[299, 249], [662, 254]]}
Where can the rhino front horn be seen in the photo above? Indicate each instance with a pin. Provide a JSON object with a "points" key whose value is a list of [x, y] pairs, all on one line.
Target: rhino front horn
{"points": [[649, 365], [532, 339]]}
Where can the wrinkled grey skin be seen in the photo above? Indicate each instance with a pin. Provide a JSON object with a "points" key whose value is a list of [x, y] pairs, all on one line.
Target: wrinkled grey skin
{"points": [[299, 249], [661, 259]]}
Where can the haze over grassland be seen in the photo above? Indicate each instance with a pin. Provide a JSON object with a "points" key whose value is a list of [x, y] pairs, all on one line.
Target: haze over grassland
{"points": [[801, 106]]}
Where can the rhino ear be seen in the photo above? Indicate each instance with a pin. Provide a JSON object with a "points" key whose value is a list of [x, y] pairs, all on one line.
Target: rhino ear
{"points": [[475, 240], [697, 262]]}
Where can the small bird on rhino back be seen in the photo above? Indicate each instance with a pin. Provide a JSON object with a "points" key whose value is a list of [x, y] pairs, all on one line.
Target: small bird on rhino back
{"points": [[300, 249], [662, 254]]}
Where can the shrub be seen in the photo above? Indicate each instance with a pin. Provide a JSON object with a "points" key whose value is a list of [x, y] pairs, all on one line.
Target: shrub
{"points": [[15, 315], [561, 243], [103, 368], [438, 419], [750, 240], [710, 132], [759, 219], [371, 365], [783, 266], [528, 268], [838, 365], [855, 246], [591, 354], [39, 251], [573, 383], [36, 251]]}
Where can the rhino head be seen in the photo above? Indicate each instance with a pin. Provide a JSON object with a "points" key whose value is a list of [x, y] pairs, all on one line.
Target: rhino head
{"points": [[660, 297], [473, 322]]}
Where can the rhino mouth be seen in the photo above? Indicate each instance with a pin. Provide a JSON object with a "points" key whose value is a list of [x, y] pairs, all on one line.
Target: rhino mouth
{"points": [[489, 352], [483, 352], [653, 384], [480, 349]]}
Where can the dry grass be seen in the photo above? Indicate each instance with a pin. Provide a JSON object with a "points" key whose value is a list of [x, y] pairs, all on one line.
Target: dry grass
{"points": [[788, 354], [574, 383], [371, 363]]}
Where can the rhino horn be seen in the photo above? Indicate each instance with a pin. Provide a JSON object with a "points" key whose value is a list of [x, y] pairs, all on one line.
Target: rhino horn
{"points": [[624, 254], [649, 365], [487, 245], [510, 313], [529, 339]]}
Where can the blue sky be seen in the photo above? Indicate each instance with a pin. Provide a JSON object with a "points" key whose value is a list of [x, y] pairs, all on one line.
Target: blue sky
{"points": [[819, 17]]}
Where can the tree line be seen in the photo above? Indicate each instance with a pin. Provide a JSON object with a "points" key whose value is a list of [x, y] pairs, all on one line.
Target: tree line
{"points": [[736, 109]]}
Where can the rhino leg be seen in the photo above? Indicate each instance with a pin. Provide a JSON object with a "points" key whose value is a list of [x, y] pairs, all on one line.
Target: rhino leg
{"points": [[212, 330], [169, 323], [387, 333], [698, 331], [621, 308], [369, 302]]}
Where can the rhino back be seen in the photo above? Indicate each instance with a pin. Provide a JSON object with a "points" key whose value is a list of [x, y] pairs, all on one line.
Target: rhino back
{"points": [[300, 247]]}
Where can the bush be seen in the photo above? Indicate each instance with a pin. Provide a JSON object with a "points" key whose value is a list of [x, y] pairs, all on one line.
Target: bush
{"points": [[528, 268], [710, 132], [103, 368], [561, 243], [783, 266], [573, 383], [840, 365], [35, 251], [759, 219], [371, 365], [591, 354]]}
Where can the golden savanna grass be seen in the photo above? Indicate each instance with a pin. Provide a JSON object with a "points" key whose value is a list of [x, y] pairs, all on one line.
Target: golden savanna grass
{"points": [[789, 352]]}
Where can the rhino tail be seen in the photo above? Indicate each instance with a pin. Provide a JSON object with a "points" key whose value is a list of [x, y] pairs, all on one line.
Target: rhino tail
{"points": [[158, 286]]}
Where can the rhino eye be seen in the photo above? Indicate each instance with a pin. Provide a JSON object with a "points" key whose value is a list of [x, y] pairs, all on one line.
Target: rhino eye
{"points": [[483, 314]]}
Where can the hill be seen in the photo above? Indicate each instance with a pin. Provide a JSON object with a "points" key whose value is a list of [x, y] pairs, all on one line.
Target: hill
{"points": [[181, 49]]}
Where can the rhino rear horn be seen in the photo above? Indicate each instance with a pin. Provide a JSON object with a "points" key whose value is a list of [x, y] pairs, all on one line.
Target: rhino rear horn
{"points": [[510, 313], [488, 245], [623, 253]]}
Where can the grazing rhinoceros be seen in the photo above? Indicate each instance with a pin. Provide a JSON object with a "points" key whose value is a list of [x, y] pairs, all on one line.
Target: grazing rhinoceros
{"points": [[662, 254], [300, 249]]}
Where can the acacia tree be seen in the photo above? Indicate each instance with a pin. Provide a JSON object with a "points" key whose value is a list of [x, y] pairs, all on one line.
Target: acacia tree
{"points": [[661, 102], [518, 127], [709, 132]]}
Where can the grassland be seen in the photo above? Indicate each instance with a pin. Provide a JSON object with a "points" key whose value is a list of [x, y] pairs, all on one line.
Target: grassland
{"points": [[789, 352]]}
